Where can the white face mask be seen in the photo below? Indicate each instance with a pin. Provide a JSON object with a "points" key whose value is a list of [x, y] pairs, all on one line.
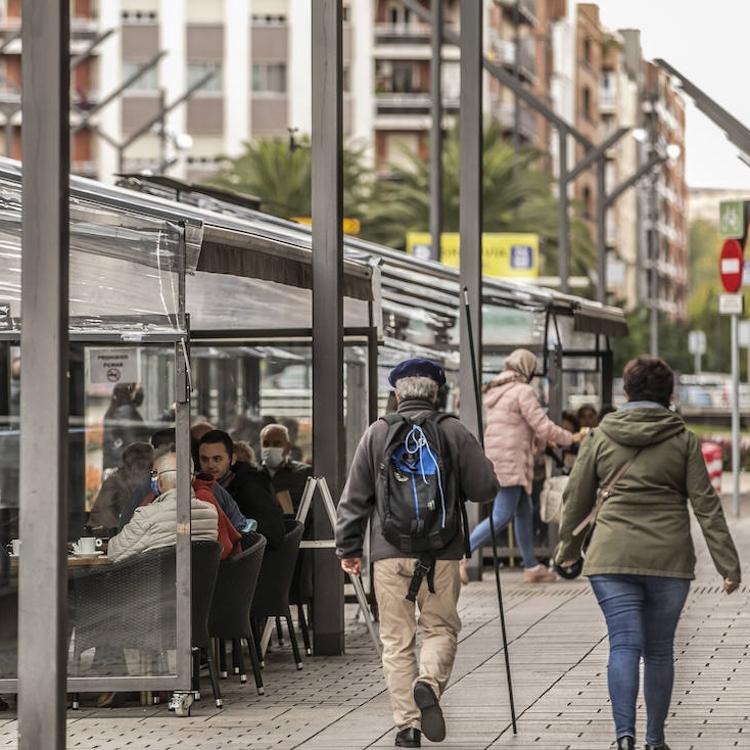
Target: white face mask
{"points": [[272, 457]]}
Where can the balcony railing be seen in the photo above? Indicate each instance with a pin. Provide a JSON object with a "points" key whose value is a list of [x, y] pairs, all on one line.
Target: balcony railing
{"points": [[505, 50], [410, 103], [607, 99], [405, 33], [527, 122], [527, 9]]}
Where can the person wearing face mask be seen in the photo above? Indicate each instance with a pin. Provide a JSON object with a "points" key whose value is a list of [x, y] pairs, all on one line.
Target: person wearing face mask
{"points": [[287, 476], [517, 428]]}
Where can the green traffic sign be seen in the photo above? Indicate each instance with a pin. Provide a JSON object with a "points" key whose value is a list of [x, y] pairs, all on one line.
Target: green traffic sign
{"points": [[731, 219]]}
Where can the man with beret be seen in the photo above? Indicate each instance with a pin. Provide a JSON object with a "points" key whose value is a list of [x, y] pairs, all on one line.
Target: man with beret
{"points": [[415, 686]]}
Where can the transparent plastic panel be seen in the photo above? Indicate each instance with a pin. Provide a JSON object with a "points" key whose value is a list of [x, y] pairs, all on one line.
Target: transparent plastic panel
{"points": [[220, 302], [123, 522], [125, 269]]}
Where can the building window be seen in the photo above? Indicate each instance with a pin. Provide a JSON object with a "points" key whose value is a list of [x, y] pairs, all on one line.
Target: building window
{"points": [[398, 15], [586, 104], [587, 45], [586, 195], [196, 71], [148, 83], [269, 78]]}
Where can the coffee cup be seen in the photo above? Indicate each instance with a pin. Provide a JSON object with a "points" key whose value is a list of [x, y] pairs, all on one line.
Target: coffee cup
{"points": [[14, 547], [86, 545]]}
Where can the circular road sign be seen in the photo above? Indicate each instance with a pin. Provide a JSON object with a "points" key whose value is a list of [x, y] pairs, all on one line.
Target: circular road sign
{"points": [[730, 266]]}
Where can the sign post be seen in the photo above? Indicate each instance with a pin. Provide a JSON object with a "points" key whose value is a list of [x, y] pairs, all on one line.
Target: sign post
{"points": [[697, 347], [731, 267]]}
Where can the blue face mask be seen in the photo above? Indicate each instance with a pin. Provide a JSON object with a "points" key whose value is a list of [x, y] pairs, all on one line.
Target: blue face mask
{"points": [[155, 486]]}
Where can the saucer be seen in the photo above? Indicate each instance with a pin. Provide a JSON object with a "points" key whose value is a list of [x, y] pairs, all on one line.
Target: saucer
{"points": [[87, 554]]}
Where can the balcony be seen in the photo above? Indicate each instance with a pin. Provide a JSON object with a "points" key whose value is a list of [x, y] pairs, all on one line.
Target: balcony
{"points": [[506, 117], [526, 8], [411, 33], [410, 103], [607, 100], [505, 52]]}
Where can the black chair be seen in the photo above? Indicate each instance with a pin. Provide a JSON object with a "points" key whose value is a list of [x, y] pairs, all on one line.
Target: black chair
{"points": [[229, 618], [132, 605], [275, 579], [301, 594]]}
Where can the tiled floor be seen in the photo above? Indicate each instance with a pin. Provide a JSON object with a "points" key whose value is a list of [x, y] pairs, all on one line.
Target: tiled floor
{"points": [[558, 651]]}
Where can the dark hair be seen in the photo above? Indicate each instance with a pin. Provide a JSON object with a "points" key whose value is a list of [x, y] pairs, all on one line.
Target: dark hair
{"points": [[649, 379], [606, 409], [163, 438], [586, 408], [137, 456], [218, 436]]}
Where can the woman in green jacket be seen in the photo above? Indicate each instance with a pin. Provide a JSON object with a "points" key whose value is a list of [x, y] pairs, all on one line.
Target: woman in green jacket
{"points": [[640, 559]]}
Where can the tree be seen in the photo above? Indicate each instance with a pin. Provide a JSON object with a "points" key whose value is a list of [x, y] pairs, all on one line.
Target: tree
{"points": [[517, 194], [281, 177]]}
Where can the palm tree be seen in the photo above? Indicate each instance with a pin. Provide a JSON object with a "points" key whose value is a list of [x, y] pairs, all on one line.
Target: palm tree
{"points": [[518, 197], [280, 176]]}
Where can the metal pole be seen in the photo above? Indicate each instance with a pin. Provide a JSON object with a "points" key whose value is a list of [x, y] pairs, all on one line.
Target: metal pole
{"points": [[697, 366], [9, 134], [517, 76], [470, 129], [563, 241], [436, 135], [601, 230], [329, 448], [736, 414], [43, 601], [653, 292]]}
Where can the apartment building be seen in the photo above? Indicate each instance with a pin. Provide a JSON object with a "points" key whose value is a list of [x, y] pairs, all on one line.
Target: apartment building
{"points": [[84, 80], [600, 82]]}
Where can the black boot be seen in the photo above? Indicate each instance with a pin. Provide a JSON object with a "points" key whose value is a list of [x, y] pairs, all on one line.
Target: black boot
{"points": [[625, 743], [433, 724], [409, 738], [656, 747]]}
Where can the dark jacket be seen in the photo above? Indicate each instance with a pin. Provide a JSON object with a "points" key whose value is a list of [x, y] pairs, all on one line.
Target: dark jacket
{"points": [[477, 482], [643, 528], [253, 492], [291, 476], [122, 426]]}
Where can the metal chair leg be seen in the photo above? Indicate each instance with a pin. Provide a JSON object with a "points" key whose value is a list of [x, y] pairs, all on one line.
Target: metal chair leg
{"points": [[222, 659], [254, 661], [237, 648], [196, 673], [256, 639], [303, 627], [214, 679], [293, 639], [279, 632]]}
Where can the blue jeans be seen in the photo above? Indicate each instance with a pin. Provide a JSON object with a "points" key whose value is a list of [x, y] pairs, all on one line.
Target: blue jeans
{"points": [[642, 613], [510, 503]]}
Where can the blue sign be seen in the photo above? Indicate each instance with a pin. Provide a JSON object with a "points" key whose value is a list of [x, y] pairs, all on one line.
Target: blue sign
{"points": [[521, 256]]}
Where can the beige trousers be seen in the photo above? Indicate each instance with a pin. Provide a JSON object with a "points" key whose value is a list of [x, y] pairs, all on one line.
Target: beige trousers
{"points": [[439, 624]]}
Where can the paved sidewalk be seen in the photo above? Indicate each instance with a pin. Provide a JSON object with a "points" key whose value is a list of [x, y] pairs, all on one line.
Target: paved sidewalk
{"points": [[559, 654]]}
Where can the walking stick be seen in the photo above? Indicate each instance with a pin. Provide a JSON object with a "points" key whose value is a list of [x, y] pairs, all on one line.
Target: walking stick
{"points": [[496, 565]]}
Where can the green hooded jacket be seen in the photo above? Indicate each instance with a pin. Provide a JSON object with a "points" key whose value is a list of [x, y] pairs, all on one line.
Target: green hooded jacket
{"points": [[643, 528]]}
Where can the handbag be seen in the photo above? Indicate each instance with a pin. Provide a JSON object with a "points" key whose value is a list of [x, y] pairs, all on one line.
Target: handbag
{"points": [[603, 495], [551, 498]]}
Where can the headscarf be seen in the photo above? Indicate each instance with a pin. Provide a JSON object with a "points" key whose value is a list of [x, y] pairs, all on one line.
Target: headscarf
{"points": [[519, 366]]}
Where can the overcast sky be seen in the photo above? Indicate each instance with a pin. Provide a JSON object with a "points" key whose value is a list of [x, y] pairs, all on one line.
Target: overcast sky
{"points": [[708, 43]]}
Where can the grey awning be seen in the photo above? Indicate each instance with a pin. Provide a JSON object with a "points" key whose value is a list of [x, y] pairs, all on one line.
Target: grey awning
{"points": [[255, 256], [605, 321]]}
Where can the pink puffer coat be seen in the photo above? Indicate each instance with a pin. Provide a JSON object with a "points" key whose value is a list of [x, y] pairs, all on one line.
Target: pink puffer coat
{"points": [[516, 426]]}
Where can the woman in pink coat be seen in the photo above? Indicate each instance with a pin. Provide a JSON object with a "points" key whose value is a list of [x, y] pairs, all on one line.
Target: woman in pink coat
{"points": [[517, 427]]}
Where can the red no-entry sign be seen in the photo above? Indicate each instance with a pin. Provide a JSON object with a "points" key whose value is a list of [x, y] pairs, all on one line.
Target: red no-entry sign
{"points": [[730, 266]]}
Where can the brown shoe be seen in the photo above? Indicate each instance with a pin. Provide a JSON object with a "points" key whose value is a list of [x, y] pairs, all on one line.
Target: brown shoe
{"points": [[540, 574]]}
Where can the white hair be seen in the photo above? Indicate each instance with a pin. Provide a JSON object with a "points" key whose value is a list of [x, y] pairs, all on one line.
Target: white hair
{"points": [[165, 466], [422, 388], [280, 427]]}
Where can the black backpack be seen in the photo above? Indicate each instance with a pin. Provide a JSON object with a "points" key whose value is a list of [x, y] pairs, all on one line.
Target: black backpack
{"points": [[418, 492]]}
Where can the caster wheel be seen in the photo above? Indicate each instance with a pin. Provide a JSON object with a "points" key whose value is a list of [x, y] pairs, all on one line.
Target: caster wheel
{"points": [[183, 704]]}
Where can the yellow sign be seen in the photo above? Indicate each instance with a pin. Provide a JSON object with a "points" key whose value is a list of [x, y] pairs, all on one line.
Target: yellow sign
{"points": [[350, 226], [504, 255]]}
